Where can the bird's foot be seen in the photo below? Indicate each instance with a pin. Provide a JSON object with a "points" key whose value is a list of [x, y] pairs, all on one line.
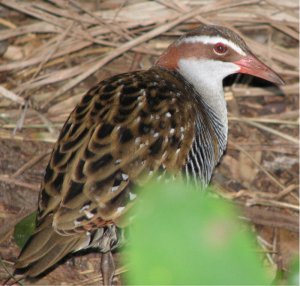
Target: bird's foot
{"points": [[107, 268]]}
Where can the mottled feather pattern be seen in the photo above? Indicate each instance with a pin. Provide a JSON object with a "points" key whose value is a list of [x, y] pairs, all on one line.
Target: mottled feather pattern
{"points": [[168, 121], [123, 128], [124, 131]]}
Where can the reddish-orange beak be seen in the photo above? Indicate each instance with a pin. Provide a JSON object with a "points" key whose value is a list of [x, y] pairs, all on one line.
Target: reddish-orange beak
{"points": [[252, 65]]}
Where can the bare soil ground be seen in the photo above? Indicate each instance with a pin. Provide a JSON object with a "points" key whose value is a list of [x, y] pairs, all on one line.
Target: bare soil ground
{"points": [[53, 51]]}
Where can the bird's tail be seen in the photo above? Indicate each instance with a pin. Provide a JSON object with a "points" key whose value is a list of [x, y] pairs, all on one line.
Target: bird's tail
{"points": [[44, 248]]}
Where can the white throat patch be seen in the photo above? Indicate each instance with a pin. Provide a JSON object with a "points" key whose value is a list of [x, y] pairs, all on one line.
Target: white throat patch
{"points": [[207, 78], [213, 40]]}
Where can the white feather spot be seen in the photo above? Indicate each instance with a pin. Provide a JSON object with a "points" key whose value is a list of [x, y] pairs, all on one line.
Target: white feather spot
{"points": [[88, 214], [115, 188], [76, 223], [156, 135], [132, 196], [85, 207], [118, 161], [172, 131], [182, 129], [120, 209], [168, 114], [164, 155], [137, 140], [125, 176]]}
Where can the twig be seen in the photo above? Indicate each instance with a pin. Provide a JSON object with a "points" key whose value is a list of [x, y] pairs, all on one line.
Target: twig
{"points": [[273, 179], [264, 120], [21, 119], [264, 202], [271, 130], [40, 27], [11, 276], [8, 180], [29, 164], [118, 51], [270, 218], [287, 191], [34, 136], [265, 245], [134, 42], [11, 96]]}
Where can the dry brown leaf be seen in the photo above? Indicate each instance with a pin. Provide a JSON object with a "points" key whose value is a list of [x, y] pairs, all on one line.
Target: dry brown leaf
{"points": [[247, 169]]}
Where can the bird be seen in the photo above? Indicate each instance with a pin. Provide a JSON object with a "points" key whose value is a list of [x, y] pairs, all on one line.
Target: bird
{"points": [[169, 119]]}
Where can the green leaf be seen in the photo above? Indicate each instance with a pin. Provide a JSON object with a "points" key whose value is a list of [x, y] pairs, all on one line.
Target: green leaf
{"points": [[181, 236], [294, 276], [24, 229]]}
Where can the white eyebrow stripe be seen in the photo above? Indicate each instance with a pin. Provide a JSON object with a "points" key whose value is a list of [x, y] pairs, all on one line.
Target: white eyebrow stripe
{"points": [[213, 40]]}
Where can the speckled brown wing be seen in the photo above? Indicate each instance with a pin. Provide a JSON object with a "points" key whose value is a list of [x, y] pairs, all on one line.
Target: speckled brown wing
{"points": [[124, 130]]}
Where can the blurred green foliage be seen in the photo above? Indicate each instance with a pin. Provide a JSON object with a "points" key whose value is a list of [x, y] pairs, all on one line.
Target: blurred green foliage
{"points": [[294, 276], [181, 236], [24, 229]]}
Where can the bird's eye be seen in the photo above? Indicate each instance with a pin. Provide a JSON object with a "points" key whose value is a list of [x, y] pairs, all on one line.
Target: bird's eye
{"points": [[220, 48]]}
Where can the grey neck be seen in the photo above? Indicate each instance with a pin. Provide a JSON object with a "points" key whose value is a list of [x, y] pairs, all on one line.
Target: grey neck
{"points": [[214, 97], [207, 78]]}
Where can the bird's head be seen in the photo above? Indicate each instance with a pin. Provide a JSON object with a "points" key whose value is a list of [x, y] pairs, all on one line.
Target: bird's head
{"points": [[214, 52]]}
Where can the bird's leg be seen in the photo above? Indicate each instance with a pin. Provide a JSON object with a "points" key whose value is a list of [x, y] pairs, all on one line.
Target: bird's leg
{"points": [[107, 268]]}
